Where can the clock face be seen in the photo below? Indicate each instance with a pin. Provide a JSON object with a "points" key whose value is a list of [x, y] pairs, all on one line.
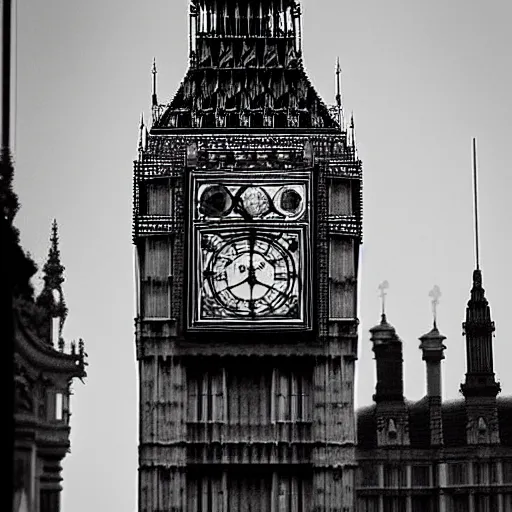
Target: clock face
{"points": [[250, 259], [251, 275]]}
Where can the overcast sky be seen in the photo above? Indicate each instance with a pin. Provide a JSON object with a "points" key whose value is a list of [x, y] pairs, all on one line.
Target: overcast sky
{"points": [[422, 78]]}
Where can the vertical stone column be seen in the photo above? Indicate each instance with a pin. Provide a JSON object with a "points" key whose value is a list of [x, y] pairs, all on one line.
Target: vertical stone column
{"points": [[499, 478], [349, 486], [381, 486], [162, 452], [50, 487], [328, 489], [408, 479], [333, 458], [442, 480], [471, 481]]}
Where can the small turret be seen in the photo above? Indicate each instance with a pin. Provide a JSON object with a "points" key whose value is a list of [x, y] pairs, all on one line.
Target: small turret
{"points": [[433, 348], [391, 411], [387, 347]]}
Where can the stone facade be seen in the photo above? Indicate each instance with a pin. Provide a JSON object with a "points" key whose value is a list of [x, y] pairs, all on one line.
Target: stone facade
{"points": [[44, 369], [246, 398]]}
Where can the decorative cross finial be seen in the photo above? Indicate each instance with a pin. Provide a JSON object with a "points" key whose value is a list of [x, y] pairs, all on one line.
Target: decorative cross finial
{"points": [[435, 294], [382, 288]]}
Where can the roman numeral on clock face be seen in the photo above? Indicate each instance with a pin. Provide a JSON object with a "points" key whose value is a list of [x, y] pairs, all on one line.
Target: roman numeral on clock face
{"points": [[221, 276], [239, 247], [281, 275], [262, 247], [226, 259], [266, 303]]}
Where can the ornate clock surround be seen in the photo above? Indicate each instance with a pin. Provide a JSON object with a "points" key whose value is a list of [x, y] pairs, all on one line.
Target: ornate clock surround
{"points": [[249, 250]]}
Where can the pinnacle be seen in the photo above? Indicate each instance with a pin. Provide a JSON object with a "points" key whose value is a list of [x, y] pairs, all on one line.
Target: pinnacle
{"points": [[53, 269]]}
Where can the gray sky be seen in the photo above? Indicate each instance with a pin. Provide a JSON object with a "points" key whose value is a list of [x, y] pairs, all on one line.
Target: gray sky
{"points": [[422, 78]]}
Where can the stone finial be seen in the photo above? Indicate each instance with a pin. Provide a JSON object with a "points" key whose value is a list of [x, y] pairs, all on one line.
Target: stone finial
{"points": [[382, 289]]}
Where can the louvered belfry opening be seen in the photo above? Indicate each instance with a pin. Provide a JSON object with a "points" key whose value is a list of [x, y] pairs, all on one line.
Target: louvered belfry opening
{"points": [[245, 18], [247, 226], [242, 34]]}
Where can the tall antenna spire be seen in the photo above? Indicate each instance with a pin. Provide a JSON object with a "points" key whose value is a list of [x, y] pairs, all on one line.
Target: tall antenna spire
{"points": [[475, 195], [154, 72], [479, 328]]}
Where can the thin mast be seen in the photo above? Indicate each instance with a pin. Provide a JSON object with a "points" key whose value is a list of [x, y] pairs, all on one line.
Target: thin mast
{"points": [[6, 74], [475, 196]]}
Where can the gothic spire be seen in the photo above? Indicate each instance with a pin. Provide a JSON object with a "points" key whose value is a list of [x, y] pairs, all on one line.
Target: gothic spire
{"points": [[478, 327], [53, 270], [51, 298]]}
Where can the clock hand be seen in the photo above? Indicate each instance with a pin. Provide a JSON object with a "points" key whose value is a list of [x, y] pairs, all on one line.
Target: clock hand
{"points": [[234, 285], [252, 271]]}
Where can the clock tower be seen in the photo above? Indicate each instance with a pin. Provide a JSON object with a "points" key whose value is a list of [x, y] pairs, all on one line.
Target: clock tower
{"points": [[247, 226]]}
